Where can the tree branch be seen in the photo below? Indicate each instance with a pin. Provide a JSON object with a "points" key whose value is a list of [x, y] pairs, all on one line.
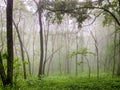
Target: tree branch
{"points": [[72, 11]]}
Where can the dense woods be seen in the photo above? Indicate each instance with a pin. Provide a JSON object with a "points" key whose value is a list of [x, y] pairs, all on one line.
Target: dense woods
{"points": [[60, 44]]}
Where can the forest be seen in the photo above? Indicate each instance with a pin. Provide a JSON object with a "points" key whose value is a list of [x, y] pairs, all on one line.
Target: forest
{"points": [[59, 44]]}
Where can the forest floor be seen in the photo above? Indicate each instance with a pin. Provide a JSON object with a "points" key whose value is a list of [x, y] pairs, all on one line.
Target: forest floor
{"points": [[67, 83]]}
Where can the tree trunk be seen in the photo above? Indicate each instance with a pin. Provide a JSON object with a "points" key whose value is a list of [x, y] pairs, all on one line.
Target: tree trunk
{"points": [[89, 68], [46, 48], [22, 51], [41, 46], [76, 60], [33, 52], [28, 58], [9, 13], [49, 64], [2, 71], [114, 57], [118, 67], [97, 52], [60, 63]]}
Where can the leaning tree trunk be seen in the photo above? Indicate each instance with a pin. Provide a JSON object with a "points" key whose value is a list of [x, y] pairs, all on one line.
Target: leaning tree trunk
{"points": [[9, 13], [22, 51]]}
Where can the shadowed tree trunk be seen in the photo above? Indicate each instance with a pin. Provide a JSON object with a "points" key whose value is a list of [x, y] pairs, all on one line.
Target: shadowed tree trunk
{"points": [[9, 13]]}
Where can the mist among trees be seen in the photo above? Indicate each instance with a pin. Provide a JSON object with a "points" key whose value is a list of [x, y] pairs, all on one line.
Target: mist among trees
{"points": [[60, 44]]}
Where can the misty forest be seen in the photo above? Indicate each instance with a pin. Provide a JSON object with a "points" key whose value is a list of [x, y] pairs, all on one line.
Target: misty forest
{"points": [[59, 44]]}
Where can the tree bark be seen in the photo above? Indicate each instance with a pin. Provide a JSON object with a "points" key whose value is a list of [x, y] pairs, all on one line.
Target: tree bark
{"points": [[41, 46], [9, 13]]}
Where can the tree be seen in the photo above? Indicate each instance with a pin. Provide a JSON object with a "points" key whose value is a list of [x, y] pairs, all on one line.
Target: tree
{"points": [[8, 79], [9, 13], [46, 33], [75, 9], [97, 52], [40, 11]]}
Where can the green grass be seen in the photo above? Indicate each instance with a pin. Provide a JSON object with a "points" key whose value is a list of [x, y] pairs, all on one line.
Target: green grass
{"points": [[67, 83]]}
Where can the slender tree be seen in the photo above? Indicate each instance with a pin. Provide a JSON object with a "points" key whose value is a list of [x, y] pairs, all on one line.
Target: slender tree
{"points": [[46, 33], [97, 52]]}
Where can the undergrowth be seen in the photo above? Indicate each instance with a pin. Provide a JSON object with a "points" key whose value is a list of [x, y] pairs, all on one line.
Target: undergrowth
{"points": [[66, 83]]}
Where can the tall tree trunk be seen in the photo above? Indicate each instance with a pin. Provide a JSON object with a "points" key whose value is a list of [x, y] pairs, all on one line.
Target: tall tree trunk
{"points": [[39, 7], [118, 67], [33, 52], [49, 64], [41, 45], [67, 62], [60, 63], [76, 60], [9, 13], [28, 58], [114, 57], [22, 51], [97, 52], [46, 48]]}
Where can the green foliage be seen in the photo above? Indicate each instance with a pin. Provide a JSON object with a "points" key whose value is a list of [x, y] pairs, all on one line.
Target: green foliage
{"points": [[4, 55], [60, 8], [113, 7], [82, 51], [67, 83], [16, 63]]}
